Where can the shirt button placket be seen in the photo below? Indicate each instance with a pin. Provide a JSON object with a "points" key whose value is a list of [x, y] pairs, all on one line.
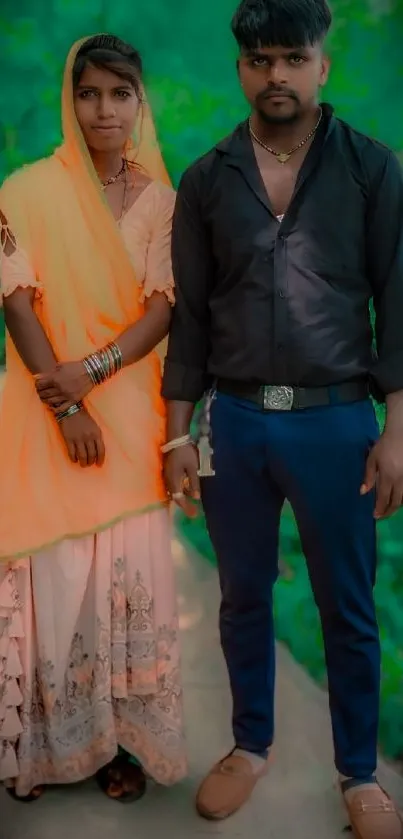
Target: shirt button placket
{"points": [[280, 309]]}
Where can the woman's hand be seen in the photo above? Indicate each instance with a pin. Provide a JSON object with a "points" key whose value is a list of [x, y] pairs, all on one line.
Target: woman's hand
{"points": [[68, 384], [83, 439]]}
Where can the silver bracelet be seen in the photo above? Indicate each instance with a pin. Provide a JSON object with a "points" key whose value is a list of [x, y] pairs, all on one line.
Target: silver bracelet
{"points": [[74, 409], [90, 371], [102, 365], [177, 443]]}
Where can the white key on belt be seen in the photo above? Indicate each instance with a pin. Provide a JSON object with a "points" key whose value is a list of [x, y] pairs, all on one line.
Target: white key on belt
{"points": [[204, 447]]}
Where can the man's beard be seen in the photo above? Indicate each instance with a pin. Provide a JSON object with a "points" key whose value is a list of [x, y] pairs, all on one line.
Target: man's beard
{"points": [[279, 119]]}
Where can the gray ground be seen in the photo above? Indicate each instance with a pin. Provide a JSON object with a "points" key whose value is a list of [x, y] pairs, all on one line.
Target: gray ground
{"points": [[297, 799]]}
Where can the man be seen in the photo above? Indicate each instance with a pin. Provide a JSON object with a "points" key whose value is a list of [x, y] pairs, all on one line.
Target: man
{"points": [[282, 234]]}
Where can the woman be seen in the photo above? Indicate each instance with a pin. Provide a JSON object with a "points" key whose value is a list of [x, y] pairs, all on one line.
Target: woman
{"points": [[89, 662]]}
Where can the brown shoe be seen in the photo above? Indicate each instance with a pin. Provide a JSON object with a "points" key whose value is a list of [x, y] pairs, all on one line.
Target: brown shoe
{"points": [[373, 815], [227, 787]]}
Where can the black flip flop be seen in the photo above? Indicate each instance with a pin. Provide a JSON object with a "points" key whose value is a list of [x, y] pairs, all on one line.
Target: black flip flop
{"points": [[24, 799], [119, 765]]}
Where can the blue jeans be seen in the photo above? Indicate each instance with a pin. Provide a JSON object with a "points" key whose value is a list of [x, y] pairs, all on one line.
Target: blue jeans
{"points": [[315, 458]]}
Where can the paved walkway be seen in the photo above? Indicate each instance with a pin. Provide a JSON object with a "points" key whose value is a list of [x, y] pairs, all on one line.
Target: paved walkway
{"points": [[296, 801]]}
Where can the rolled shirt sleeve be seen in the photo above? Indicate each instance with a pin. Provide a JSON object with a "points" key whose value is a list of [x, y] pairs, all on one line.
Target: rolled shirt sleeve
{"points": [[185, 373], [385, 266]]}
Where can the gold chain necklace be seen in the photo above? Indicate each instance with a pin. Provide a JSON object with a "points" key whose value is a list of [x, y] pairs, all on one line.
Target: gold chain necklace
{"points": [[281, 156]]}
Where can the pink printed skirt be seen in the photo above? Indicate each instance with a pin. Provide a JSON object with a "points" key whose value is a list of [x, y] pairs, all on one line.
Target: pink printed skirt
{"points": [[89, 658]]}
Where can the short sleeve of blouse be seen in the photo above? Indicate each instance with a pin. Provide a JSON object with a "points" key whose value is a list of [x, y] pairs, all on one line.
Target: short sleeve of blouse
{"points": [[159, 276], [15, 269]]}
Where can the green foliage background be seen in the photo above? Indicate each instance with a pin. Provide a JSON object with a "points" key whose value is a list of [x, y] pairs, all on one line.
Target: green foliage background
{"points": [[189, 60]]}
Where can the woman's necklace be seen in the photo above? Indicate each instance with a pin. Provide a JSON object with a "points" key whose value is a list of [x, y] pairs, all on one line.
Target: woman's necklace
{"points": [[124, 170], [125, 193], [281, 156], [115, 178]]}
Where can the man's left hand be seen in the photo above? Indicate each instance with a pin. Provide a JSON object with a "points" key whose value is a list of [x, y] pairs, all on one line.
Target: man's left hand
{"points": [[384, 470]]}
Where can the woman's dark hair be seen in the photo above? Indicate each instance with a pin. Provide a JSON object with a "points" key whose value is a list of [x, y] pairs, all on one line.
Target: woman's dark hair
{"points": [[107, 52], [286, 23]]}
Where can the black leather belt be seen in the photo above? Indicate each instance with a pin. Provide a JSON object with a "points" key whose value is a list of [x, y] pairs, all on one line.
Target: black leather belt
{"points": [[285, 398]]}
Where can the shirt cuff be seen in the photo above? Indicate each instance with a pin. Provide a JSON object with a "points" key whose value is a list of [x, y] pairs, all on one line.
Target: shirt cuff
{"points": [[183, 384], [388, 375]]}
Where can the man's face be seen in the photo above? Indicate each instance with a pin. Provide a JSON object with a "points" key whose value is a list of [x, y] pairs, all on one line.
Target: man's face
{"points": [[281, 83]]}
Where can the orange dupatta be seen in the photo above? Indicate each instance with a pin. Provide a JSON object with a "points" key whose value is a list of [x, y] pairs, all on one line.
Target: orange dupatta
{"points": [[87, 295]]}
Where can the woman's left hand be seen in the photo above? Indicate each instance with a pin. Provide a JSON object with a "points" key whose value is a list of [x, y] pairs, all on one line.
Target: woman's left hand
{"points": [[68, 384]]}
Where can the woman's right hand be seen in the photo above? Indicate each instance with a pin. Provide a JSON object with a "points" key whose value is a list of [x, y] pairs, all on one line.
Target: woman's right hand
{"points": [[67, 384], [181, 478], [83, 439]]}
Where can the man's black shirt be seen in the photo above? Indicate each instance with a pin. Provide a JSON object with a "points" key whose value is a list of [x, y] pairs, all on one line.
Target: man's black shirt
{"points": [[288, 304]]}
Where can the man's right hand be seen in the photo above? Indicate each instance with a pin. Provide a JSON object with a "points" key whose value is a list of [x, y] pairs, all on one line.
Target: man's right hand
{"points": [[181, 478], [83, 439]]}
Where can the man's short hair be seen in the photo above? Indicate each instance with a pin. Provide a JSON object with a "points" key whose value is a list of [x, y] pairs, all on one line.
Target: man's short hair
{"points": [[287, 23]]}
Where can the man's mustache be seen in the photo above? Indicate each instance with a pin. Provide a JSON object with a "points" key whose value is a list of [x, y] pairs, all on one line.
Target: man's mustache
{"points": [[272, 90]]}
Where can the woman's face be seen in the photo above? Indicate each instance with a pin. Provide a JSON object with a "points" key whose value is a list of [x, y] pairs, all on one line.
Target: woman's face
{"points": [[106, 108]]}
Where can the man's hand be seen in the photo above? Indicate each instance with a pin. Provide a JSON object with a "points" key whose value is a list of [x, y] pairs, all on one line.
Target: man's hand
{"points": [[181, 478], [384, 470], [83, 439]]}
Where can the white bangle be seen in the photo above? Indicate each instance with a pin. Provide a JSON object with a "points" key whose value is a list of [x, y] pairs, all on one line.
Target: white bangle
{"points": [[177, 443]]}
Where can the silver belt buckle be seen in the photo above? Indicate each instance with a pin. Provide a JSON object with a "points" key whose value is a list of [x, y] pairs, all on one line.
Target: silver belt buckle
{"points": [[278, 398]]}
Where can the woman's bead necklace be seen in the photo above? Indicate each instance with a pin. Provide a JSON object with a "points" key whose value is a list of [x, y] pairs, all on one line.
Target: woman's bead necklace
{"points": [[115, 178], [124, 170]]}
